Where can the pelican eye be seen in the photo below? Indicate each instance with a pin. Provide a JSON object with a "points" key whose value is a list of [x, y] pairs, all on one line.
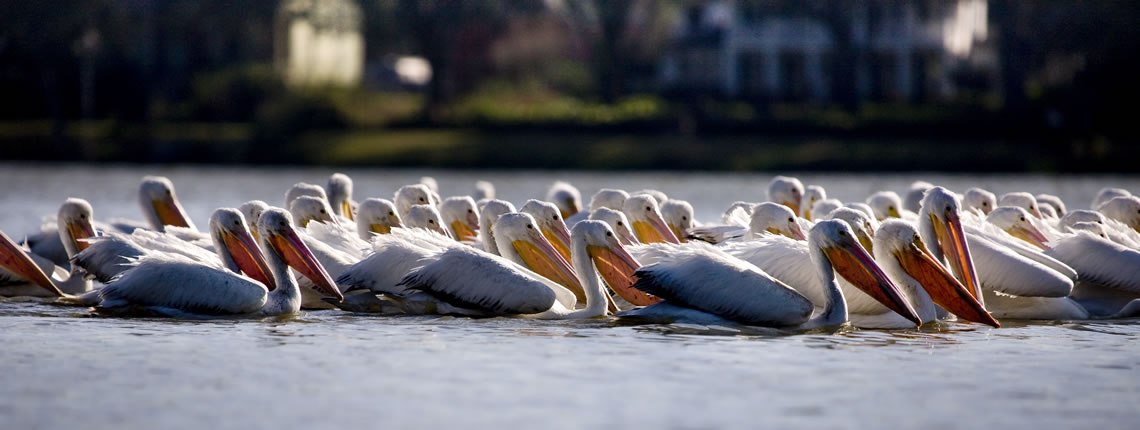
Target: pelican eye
{"points": [[529, 226], [684, 218], [608, 234], [421, 199], [842, 233], [431, 221], [322, 211], [83, 216], [556, 217], [619, 223], [470, 211], [791, 220], [891, 208], [390, 213]]}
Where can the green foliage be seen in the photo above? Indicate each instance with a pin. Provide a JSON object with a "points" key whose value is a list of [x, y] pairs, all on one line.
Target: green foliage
{"points": [[501, 103]]}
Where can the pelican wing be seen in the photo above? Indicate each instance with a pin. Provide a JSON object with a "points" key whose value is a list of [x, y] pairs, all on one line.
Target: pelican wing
{"points": [[382, 271], [1100, 261], [1001, 269], [178, 282], [722, 285], [473, 279], [784, 259], [978, 226], [339, 237], [174, 243], [107, 256], [717, 233]]}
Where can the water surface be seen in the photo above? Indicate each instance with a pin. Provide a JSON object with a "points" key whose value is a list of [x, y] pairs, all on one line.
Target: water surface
{"points": [[70, 368]]}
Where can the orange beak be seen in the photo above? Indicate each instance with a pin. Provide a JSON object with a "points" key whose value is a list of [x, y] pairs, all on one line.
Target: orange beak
{"points": [[856, 266], [248, 257], [298, 256], [952, 240], [617, 268], [541, 257], [943, 288], [79, 231], [13, 258], [170, 213]]}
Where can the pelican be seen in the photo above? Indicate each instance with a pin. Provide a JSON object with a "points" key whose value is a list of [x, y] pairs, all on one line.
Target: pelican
{"points": [[303, 189], [488, 215], [657, 195], [885, 204], [1109, 283], [252, 210], [604, 198], [1021, 200], [765, 218], [470, 279], [824, 207], [914, 195], [648, 226], [1116, 231], [703, 284], [566, 197], [549, 219], [787, 191], [512, 233], [426, 217], [739, 213], [73, 226], [979, 200], [812, 194], [484, 190], [1106, 194], [678, 216], [459, 217], [393, 256], [1124, 209], [411, 195], [340, 196], [376, 216], [862, 207], [306, 209], [618, 223]]}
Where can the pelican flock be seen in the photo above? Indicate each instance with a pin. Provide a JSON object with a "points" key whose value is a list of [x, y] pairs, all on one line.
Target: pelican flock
{"points": [[793, 257]]}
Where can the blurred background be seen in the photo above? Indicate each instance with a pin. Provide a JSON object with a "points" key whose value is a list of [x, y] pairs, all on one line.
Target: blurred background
{"points": [[950, 85]]}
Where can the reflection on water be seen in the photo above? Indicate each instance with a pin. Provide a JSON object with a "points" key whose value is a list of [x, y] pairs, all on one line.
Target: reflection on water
{"points": [[66, 367]]}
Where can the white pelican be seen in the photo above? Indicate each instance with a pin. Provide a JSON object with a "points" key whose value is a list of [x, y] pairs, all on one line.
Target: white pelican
{"points": [[913, 200], [427, 218], [306, 209], [859, 222], [1015, 221], [252, 210], [459, 217], [824, 207], [1124, 209], [519, 240], [764, 218], [1106, 194], [787, 191], [471, 279], [376, 216], [393, 256], [678, 216], [549, 219], [657, 195], [566, 197], [1115, 230], [411, 195], [1109, 283], [979, 200], [490, 212], [648, 226], [484, 190], [1021, 200], [862, 207], [700, 283], [618, 223], [74, 226], [340, 195], [303, 189], [604, 198], [812, 194], [885, 204]]}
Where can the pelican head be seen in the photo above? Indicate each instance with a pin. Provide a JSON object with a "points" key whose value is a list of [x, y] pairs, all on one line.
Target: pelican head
{"points": [[618, 223], [776, 219], [941, 229], [839, 247], [411, 195], [1022, 200], [425, 217], [484, 190], [1124, 209], [824, 207], [1015, 221], [252, 210], [860, 224], [885, 204], [376, 216], [901, 252], [657, 195], [161, 206], [812, 194], [519, 239], [862, 207], [678, 215], [1047, 210], [979, 200], [280, 241], [302, 189], [608, 198], [1091, 227], [237, 248], [914, 195], [646, 218], [1053, 201], [787, 191], [1106, 194], [74, 224], [595, 242], [460, 217], [340, 194], [306, 209], [566, 197], [549, 220], [1081, 215], [489, 213], [430, 183]]}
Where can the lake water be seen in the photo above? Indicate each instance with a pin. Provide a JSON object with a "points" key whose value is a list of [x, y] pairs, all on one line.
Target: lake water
{"points": [[68, 368]]}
